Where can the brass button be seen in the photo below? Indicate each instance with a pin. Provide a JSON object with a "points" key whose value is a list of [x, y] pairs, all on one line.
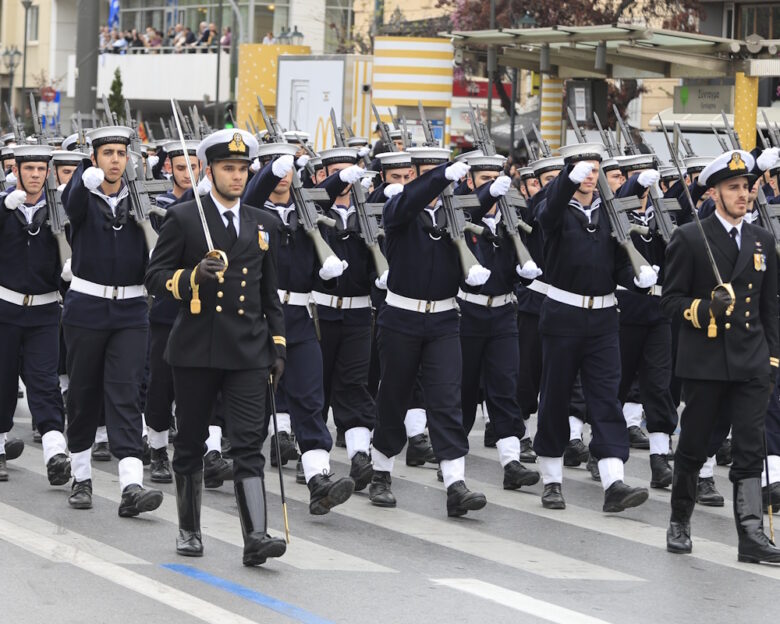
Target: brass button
{"points": [[220, 294], [219, 308], [241, 312], [747, 325], [750, 286], [243, 284], [245, 270], [728, 325], [747, 299], [241, 298], [747, 312]]}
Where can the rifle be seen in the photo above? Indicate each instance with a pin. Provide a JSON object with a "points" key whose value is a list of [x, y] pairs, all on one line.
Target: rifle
{"points": [[510, 218], [606, 138], [149, 134], [532, 154], [304, 199], [616, 210], [349, 134], [196, 124], [17, 127], [770, 216], [685, 144], [453, 206], [57, 216], [544, 147], [404, 133], [165, 131], [367, 214], [384, 131], [721, 141], [663, 205], [189, 132]]}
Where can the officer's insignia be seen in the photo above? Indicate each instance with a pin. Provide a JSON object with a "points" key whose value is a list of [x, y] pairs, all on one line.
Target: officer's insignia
{"points": [[736, 163], [759, 261], [237, 145], [262, 239]]}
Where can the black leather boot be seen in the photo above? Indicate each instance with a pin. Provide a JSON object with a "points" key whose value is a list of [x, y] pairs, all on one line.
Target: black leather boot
{"points": [[660, 471], [723, 456], [461, 500], [754, 545], [216, 469], [516, 475], [620, 496], [101, 452], [361, 470], [527, 453], [286, 448], [575, 453], [189, 490], [3, 468], [300, 475], [593, 468], [379, 492], [637, 438], [419, 451], [81, 494], [490, 438], [137, 500], [58, 469], [160, 468], [13, 448], [325, 493], [707, 494], [771, 495], [678, 535], [552, 498], [258, 545]]}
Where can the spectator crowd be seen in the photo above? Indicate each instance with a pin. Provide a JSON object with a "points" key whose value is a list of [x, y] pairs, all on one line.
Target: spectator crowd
{"points": [[178, 39]]}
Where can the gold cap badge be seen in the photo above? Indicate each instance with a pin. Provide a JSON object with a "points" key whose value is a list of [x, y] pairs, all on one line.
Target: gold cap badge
{"points": [[237, 145]]}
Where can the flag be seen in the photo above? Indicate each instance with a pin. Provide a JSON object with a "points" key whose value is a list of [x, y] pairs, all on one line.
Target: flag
{"points": [[113, 13]]}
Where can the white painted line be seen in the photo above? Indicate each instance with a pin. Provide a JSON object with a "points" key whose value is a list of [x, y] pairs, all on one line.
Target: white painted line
{"points": [[54, 550], [520, 602], [301, 554]]}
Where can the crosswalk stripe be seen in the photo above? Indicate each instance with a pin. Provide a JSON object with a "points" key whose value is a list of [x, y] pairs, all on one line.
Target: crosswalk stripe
{"points": [[54, 550], [301, 553], [476, 542], [520, 602]]}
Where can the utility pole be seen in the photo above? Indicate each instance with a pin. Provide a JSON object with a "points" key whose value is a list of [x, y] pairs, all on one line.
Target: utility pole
{"points": [[87, 33], [217, 125], [491, 68]]}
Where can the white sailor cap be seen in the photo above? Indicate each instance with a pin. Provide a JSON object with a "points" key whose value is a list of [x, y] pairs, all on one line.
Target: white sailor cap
{"points": [[66, 157], [669, 173], [397, 134], [110, 134], [637, 162], [32, 153], [174, 148], [732, 164], [7, 138], [296, 136], [486, 163], [267, 151], [464, 156], [339, 155], [55, 141], [357, 141], [6, 151], [543, 165], [395, 160], [71, 141], [316, 162], [694, 164], [582, 151], [228, 144], [609, 164], [526, 173], [429, 155]]}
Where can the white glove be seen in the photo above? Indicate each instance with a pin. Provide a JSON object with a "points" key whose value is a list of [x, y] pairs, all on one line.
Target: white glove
{"points": [[61, 187], [768, 158], [282, 165], [648, 178], [303, 159], [332, 267], [10, 180], [255, 166], [364, 151], [381, 281], [351, 174], [581, 171], [92, 177], [391, 190], [647, 277], [152, 161], [366, 182], [204, 186], [67, 274], [500, 186], [14, 199], [478, 274], [456, 171], [529, 270]]}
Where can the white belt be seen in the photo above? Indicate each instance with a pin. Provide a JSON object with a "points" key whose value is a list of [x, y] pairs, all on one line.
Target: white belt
{"points": [[538, 286], [106, 292], [294, 298], [655, 291], [341, 303], [495, 301], [11, 296], [581, 301], [420, 305]]}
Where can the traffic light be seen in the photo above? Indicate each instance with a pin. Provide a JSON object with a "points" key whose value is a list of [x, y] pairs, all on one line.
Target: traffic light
{"points": [[229, 116]]}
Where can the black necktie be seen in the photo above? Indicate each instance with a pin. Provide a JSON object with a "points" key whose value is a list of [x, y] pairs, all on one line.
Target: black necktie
{"points": [[733, 232], [231, 229]]}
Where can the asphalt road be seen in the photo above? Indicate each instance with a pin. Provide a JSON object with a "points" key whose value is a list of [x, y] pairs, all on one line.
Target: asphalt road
{"points": [[513, 561]]}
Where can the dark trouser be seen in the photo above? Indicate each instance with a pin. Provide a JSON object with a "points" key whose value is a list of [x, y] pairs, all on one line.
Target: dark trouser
{"points": [[300, 394], [647, 350], [439, 361], [773, 421], [714, 405], [160, 394], [37, 348], [346, 353], [244, 408], [106, 368], [530, 363], [374, 372], [495, 361], [597, 358]]}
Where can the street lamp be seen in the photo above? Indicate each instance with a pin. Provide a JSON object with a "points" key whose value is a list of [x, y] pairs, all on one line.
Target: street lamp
{"points": [[11, 61], [26, 4], [284, 37], [296, 36]]}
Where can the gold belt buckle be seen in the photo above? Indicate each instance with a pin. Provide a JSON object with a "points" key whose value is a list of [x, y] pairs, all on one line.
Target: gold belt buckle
{"points": [[27, 300], [590, 303], [339, 301], [490, 301], [286, 296], [115, 292], [428, 306]]}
